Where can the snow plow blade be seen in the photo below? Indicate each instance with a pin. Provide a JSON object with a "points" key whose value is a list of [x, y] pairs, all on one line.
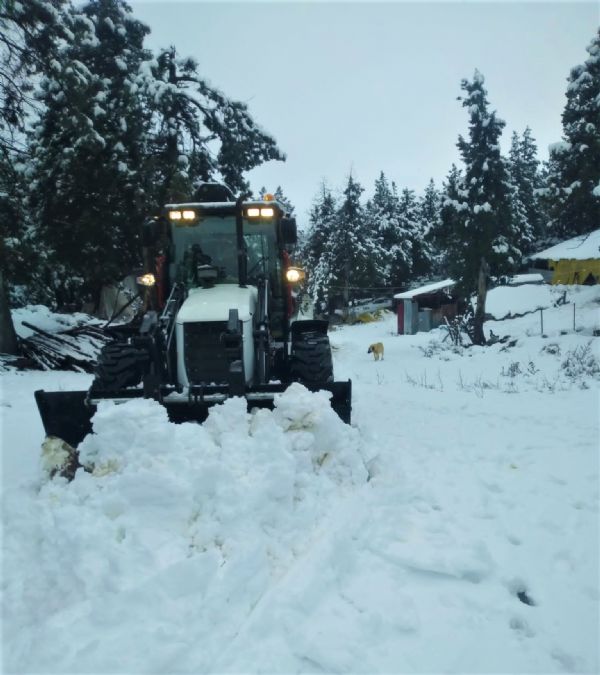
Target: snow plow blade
{"points": [[65, 414], [68, 414]]}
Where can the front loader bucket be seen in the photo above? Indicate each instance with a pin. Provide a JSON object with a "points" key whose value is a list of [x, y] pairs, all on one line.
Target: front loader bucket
{"points": [[65, 414], [341, 400], [68, 414]]}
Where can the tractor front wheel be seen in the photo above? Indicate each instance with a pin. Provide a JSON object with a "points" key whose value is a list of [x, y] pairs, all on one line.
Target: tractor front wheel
{"points": [[311, 361], [120, 365]]}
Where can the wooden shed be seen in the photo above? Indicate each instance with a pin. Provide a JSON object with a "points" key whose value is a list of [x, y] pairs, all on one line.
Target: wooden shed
{"points": [[424, 308]]}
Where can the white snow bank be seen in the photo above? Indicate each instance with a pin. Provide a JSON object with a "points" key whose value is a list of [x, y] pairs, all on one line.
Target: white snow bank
{"points": [[177, 521], [510, 300], [513, 300]]}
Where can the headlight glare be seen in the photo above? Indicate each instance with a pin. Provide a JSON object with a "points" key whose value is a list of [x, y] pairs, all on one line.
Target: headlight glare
{"points": [[146, 280], [294, 275]]}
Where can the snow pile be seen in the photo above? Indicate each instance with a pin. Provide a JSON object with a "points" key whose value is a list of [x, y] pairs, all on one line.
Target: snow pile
{"points": [[202, 517]]}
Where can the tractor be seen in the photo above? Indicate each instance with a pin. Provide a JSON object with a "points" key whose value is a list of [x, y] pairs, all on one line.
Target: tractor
{"points": [[218, 319]]}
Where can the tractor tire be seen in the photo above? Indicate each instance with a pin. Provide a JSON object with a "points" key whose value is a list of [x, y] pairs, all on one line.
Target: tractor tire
{"points": [[119, 366], [311, 361]]}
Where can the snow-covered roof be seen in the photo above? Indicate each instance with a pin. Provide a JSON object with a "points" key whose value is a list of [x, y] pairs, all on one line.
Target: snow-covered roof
{"points": [[423, 290], [583, 247]]}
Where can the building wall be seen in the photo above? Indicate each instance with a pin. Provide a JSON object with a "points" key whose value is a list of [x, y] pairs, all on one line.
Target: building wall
{"points": [[575, 271]]}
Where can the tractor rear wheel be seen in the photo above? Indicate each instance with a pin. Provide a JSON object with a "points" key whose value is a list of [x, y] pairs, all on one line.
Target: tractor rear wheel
{"points": [[119, 366], [311, 361]]}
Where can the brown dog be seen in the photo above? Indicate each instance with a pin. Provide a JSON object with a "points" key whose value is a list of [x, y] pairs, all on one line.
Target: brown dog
{"points": [[377, 350]]}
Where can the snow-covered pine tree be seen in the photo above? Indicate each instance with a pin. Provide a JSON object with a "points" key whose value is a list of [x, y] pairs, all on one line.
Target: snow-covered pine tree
{"points": [[314, 254], [524, 182], [530, 183], [31, 35], [198, 133], [410, 224], [574, 183], [451, 207], [484, 240], [429, 216], [351, 248], [87, 148], [392, 251]]}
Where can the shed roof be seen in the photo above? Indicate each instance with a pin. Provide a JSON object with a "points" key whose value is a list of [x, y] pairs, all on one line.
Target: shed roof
{"points": [[424, 290], [583, 247]]}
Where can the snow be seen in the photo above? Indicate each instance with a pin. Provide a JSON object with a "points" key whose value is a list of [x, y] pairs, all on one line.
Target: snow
{"points": [[504, 300], [41, 317], [582, 247], [532, 278], [422, 290], [452, 528], [559, 148]]}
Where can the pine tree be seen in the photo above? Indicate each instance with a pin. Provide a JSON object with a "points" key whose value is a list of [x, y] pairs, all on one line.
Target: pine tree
{"points": [[410, 223], [314, 254], [31, 36], [574, 186], [87, 148], [483, 241], [392, 251], [351, 248], [198, 133], [445, 236], [284, 201], [524, 183], [429, 218]]}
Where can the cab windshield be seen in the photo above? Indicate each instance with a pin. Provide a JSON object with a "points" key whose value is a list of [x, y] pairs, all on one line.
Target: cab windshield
{"points": [[212, 241]]}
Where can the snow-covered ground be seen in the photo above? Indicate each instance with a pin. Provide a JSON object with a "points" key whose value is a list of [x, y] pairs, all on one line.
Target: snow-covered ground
{"points": [[454, 527]]}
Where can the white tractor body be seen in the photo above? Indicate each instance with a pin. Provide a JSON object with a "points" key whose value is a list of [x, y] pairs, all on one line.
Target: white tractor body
{"points": [[210, 306]]}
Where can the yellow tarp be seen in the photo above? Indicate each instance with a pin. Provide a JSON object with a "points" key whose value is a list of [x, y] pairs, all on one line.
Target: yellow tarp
{"points": [[575, 271]]}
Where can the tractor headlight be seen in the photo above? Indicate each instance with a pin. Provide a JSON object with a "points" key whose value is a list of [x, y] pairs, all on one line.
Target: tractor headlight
{"points": [[146, 280], [174, 215], [294, 275], [188, 215], [253, 212], [267, 212]]}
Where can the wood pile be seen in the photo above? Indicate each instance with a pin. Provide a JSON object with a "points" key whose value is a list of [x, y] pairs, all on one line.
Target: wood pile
{"points": [[72, 349]]}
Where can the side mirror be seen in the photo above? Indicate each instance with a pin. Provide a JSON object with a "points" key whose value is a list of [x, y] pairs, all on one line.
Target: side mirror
{"points": [[289, 232], [150, 232]]}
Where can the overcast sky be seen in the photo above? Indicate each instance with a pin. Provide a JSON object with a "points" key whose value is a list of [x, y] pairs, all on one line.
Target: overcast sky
{"points": [[372, 86]]}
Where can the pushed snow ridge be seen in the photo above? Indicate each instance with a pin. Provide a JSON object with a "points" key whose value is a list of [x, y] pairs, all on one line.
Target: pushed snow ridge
{"points": [[177, 522]]}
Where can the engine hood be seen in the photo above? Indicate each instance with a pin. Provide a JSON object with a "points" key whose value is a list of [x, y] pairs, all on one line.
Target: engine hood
{"points": [[213, 304]]}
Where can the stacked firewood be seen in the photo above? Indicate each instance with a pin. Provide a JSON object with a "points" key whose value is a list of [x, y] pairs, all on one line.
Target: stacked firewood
{"points": [[72, 349]]}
